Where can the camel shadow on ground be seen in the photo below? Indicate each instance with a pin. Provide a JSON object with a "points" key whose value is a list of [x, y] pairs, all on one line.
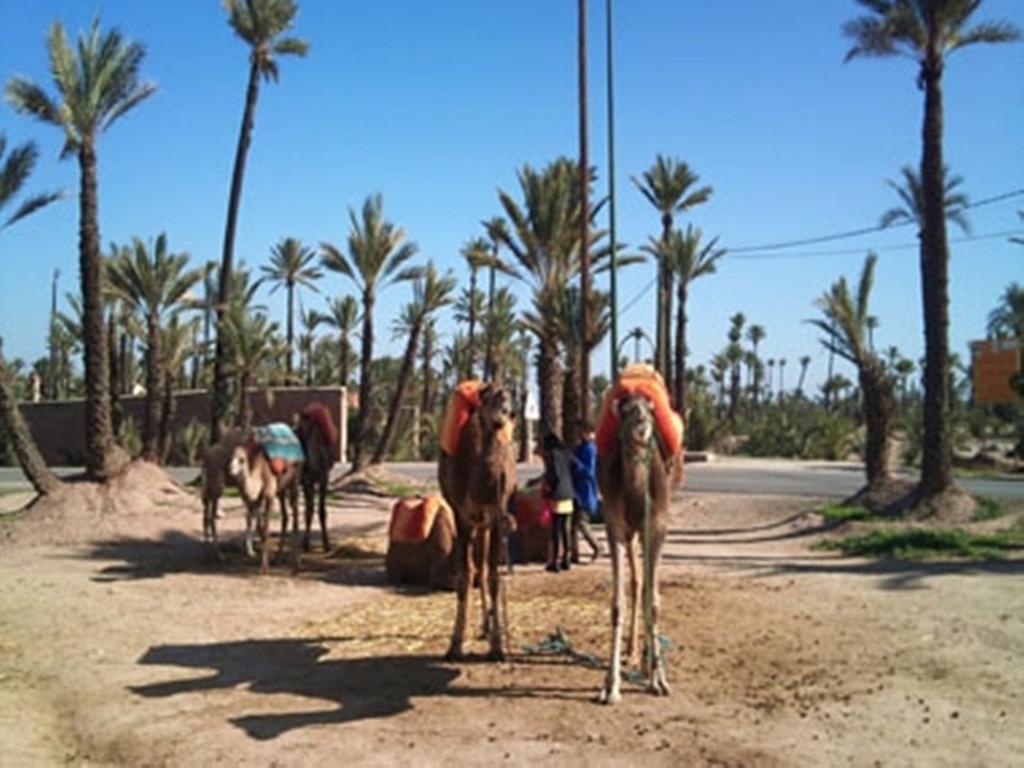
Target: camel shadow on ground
{"points": [[354, 688], [174, 552]]}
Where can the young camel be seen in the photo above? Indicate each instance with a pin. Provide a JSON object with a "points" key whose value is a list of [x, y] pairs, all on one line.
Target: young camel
{"points": [[476, 483], [319, 441], [259, 486], [214, 477], [633, 475]]}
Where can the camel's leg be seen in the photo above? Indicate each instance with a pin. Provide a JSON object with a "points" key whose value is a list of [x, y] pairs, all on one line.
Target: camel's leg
{"points": [[292, 493], [263, 523], [307, 497], [322, 492], [657, 682], [210, 526], [250, 513], [482, 548], [279, 556], [494, 584], [633, 638], [611, 694], [463, 575]]}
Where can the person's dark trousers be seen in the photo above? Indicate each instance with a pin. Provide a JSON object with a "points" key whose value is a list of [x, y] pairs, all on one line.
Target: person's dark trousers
{"points": [[559, 541], [581, 527]]}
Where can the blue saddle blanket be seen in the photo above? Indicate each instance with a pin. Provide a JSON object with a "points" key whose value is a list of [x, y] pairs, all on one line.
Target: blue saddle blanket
{"points": [[279, 442]]}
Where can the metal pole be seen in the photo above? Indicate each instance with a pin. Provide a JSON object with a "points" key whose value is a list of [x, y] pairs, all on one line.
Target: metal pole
{"points": [[614, 370], [584, 412], [52, 383]]}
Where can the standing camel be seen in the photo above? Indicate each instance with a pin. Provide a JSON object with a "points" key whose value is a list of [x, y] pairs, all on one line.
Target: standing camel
{"points": [[633, 475], [476, 482], [259, 485], [214, 476], [319, 441]]}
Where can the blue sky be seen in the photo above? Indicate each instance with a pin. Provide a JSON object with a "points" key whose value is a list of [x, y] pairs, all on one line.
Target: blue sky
{"points": [[436, 105]]}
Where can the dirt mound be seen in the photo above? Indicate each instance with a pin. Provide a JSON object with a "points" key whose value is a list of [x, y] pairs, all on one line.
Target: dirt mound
{"points": [[141, 501]]}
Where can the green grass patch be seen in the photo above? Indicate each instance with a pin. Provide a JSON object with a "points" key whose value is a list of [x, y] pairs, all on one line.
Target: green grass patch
{"points": [[928, 543], [838, 513], [988, 508]]}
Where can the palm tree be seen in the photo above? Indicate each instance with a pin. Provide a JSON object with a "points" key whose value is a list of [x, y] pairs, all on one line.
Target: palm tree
{"points": [[911, 193], [430, 292], [261, 25], [755, 335], [805, 361], [176, 344], [496, 229], [568, 311], [342, 316], [927, 31], [154, 284], [97, 82], [477, 255], [502, 324], [844, 324], [667, 186], [251, 347], [686, 260], [14, 171], [309, 319], [782, 378], [13, 175], [1006, 321], [377, 251], [291, 267], [544, 240]]}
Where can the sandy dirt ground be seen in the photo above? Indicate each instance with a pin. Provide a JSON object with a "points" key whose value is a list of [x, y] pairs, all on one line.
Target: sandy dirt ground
{"points": [[122, 644]]}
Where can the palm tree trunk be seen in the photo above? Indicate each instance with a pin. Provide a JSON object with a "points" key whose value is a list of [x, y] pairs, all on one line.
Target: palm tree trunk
{"points": [[489, 374], [343, 356], [154, 377], [291, 334], [663, 355], [116, 413], [549, 385], [879, 405], [427, 375], [99, 431], [583, 369], [404, 375], [365, 383], [16, 432], [680, 375], [471, 345], [244, 406], [936, 470], [571, 407], [220, 379], [167, 413]]}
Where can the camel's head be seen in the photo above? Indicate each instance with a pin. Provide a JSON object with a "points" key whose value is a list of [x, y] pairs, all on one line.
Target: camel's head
{"points": [[636, 422], [496, 410], [238, 466]]}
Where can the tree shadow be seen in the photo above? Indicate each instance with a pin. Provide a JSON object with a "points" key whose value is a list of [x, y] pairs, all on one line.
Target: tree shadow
{"points": [[747, 529], [355, 689], [898, 575]]}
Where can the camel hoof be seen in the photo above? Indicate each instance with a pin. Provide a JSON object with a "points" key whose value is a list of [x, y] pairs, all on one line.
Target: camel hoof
{"points": [[607, 696], [454, 654], [659, 686], [496, 654]]}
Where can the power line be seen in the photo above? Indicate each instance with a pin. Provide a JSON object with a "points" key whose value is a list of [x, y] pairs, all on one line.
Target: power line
{"points": [[862, 231]]}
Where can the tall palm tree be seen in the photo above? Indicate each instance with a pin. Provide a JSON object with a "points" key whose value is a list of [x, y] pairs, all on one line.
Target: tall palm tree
{"points": [[251, 347], [687, 260], [14, 171], [782, 378], [668, 186], [154, 282], [1006, 321], [543, 237], [177, 340], [568, 314], [262, 25], [291, 267], [496, 229], [310, 319], [927, 31], [755, 335], [377, 252], [477, 255], [430, 293], [342, 316], [844, 324], [13, 175], [502, 324], [805, 361], [97, 82]]}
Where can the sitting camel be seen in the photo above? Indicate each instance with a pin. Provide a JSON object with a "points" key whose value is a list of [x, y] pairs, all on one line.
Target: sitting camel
{"points": [[213, 477], [319, 441], [259, 485], [634, 475], [476, 482]]}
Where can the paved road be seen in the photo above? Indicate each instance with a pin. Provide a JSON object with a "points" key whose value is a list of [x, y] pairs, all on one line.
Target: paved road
{"points": [[725, 475]]}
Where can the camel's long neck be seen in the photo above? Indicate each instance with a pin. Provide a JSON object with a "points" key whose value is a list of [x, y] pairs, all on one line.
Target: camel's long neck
{"points": [[252, 482]]}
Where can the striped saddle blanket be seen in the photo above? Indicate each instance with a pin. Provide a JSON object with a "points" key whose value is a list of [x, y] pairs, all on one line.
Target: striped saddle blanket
{"points": [[280, 444]]}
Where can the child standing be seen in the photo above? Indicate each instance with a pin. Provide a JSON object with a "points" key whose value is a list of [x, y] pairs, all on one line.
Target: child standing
{"points": [[584, 480], [559, 491]]}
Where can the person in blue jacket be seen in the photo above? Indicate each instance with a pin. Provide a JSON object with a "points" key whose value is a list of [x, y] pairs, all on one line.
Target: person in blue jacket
{"points": [[584, 481]]}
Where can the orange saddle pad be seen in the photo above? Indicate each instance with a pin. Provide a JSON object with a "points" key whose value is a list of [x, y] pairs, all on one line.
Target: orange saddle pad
{"points": [[642, 379], [412, 518]]}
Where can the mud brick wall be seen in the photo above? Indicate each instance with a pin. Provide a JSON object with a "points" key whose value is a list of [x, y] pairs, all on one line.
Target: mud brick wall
{"points": [[59, 426]]}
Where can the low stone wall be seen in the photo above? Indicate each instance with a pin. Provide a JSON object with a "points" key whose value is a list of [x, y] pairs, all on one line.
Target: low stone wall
{"points": [[59, 426]]}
